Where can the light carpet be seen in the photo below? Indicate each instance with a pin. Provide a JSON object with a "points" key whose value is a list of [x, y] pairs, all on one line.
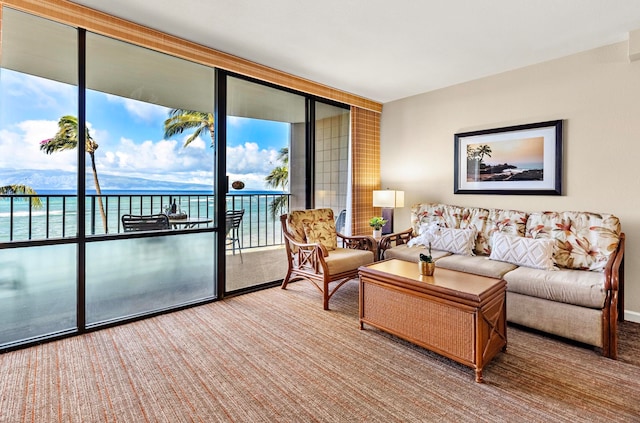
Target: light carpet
{"points": [[276, 356]]}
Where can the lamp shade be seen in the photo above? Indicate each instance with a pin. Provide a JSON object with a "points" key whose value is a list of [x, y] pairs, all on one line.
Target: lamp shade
{"points": [[388, 198]]}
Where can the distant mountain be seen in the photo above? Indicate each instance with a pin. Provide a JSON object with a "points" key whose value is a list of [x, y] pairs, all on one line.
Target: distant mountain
{"points": [[51, 180]]}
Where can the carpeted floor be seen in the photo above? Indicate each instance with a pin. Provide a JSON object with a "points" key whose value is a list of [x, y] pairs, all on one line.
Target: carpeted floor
{"points": [[275, 355]]}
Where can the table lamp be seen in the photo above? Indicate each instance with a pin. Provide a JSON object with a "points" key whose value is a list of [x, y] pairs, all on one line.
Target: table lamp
{"points": [[388, 199]]}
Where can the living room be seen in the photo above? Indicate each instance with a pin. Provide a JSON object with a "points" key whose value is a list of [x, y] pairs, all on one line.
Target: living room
{"points": [[593, 91]]}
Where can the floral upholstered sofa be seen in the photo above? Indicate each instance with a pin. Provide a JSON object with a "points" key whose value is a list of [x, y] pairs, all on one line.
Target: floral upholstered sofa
{"points": [[564, 270]]}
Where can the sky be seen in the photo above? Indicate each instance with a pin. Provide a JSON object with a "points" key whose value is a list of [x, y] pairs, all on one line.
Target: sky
{"points": [[130, 135], [515, 151]]}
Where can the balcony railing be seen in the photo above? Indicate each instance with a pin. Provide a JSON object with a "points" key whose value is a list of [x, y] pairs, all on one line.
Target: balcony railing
{"points": [[57, 218]]}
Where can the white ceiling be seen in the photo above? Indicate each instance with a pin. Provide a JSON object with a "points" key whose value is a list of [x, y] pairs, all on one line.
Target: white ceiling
{"points": [[386, 50]]}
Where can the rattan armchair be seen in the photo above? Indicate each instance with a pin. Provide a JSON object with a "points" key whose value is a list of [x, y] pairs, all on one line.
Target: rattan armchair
{"points": [[314, 253]]}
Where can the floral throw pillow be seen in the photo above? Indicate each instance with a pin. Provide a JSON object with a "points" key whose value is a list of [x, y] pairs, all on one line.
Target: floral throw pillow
{"points": [[322, 232]]}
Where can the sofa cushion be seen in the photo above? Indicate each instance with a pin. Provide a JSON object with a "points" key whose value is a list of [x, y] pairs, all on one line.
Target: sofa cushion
{"points": [[581, 324], [403, 252], [475, 218], [478, 265], [529, 252], [446, 215], [346, 259], [577, 287], [511, 222], [456, 241], [583, 240]]}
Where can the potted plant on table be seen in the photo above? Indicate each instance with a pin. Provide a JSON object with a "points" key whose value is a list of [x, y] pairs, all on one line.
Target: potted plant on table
{"points": [[377, 223], [426, 264], [428, 232]]}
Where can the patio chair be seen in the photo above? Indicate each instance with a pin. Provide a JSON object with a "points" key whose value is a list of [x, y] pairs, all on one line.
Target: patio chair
{"points": [[341, 221], [313, 253], [153, 222], [233, 221]]}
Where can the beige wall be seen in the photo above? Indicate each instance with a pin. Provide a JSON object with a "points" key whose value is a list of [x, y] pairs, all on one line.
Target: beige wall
{"points": [[596, 93]]}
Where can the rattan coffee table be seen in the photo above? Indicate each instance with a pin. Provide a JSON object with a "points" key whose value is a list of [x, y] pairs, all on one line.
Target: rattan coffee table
{"points": [[458, 315]]}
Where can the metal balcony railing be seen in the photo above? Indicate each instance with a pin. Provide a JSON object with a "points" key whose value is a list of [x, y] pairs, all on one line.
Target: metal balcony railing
{"points": [[58, 216]]}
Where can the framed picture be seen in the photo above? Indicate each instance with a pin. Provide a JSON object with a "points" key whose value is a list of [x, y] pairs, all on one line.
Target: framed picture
{"points": [[523, 159]]}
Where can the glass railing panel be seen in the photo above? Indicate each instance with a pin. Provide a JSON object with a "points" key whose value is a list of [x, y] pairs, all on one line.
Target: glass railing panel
{"points": [[133, 276], [37, 292]]}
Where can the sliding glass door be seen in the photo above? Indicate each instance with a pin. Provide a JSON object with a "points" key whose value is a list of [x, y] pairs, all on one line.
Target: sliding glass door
{"points": [[265, 128]]}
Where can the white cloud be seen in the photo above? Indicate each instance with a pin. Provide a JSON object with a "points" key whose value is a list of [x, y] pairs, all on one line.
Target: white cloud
{"points": [[141, 110], [41, 93], [164, 160], [21, 147], [235, 121], [163, 156], [249, 158]]}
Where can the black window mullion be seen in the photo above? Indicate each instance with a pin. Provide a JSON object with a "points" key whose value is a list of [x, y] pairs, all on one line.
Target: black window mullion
{"points": [[81, 188]]}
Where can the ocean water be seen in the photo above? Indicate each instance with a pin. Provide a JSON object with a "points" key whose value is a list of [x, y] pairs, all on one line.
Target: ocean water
{"points": [[59, 213]]}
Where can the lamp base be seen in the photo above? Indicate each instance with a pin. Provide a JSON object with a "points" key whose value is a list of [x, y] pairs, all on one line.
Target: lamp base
{"points": [[387, 214]]}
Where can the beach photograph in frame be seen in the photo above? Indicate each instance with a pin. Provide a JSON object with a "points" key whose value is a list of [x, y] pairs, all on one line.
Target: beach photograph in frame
{"points": [[519, 160]]}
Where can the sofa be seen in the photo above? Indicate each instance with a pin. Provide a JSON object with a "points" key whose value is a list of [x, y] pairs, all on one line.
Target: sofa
{"points": [[564, 270]]}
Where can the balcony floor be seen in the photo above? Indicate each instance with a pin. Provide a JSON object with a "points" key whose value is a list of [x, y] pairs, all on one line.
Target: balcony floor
{"points": [[260, 265]]}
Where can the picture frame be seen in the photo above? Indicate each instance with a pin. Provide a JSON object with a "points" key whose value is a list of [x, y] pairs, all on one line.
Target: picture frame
{"points": [[516, 160]]}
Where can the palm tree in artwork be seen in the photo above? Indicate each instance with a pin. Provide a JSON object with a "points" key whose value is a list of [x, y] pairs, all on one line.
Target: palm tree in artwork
{"points": [[279, 178], [483, 150], [18, 189], [181, 120], [67, 139]]}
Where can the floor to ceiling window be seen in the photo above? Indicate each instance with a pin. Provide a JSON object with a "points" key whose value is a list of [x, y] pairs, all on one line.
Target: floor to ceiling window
{"points": [[152, 117], [38, 84], [97, 132]]}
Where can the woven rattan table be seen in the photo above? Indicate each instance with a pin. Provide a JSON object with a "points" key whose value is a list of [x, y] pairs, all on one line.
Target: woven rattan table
{"points": [[458, 315]]}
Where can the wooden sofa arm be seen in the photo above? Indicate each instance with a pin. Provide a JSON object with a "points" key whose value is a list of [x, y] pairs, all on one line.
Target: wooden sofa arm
{"points": [[617, 280], [394, 239], [614, 269], [359, 242]]}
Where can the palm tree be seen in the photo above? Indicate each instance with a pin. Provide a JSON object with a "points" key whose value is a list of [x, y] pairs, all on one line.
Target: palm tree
{"points": [[67, 139], [17, 189], [279, 178], [483, 150], [181, 119]]}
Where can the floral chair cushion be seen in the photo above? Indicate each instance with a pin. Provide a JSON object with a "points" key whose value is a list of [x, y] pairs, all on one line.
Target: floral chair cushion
{"points": [[322, 232], [297, 219], [583, 241]]}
